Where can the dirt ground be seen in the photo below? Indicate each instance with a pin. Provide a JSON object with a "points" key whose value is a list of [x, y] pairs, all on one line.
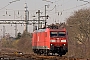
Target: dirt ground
{"points": [[12, 54]]}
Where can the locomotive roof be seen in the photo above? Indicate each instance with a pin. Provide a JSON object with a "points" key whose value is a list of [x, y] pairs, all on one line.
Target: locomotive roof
{"points": [[43, 30], [40, 30], [61, 29]]}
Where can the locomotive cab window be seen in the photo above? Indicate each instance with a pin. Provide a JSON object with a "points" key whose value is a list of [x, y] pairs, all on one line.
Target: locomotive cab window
{"points": [[61, 34], [53, 34]]}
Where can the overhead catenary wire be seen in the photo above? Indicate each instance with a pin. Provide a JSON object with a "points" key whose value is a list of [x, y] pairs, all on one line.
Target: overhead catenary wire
{"points": [[5, 6], [56, 9], [76, 6], [71, 8], [9, 4], [23, 10], [44, 6], [52, 8], [58, 5]]}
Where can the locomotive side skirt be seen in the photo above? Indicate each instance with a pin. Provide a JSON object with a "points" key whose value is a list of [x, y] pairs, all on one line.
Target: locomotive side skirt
{"points": [[40, 47]]}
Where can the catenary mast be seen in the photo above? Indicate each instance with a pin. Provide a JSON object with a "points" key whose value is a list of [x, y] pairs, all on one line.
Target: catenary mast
{"points": [[26, 17]]}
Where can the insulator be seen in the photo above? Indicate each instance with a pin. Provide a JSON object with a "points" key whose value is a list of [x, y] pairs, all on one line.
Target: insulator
{"points": [[3, 15], [61, 13], [18, 12], [9, 15], [6, 12], [58, 13], [11, 24], [21, 24]]}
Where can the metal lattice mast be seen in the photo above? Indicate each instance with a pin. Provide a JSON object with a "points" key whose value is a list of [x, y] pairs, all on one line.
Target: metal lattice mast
{"points": [[26, 17]]}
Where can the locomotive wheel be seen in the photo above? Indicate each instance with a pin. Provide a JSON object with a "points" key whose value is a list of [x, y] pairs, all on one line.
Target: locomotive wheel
{"points": [[60, 54], [53, 53], [46, 52]]}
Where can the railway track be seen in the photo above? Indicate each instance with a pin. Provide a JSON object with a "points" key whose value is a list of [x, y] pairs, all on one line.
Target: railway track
{"points": [[34, 57]]}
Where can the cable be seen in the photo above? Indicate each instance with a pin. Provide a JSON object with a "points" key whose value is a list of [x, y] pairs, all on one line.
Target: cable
{"points": [[76, 6], [56, 1], [72, 8], [63, 3], [57, 6], [9, 4], [4, 7], [52, 8], [43, 6]]}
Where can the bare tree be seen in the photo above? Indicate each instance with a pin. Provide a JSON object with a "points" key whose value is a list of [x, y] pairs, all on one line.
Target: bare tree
{"points": [[78, 26]]}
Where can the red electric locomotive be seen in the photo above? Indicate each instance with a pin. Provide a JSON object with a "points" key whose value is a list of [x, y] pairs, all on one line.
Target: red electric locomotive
{"points": [[46, 41]]}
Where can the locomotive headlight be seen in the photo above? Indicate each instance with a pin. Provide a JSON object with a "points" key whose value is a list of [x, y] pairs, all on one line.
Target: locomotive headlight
{"points": [[64, 44], [51, 44], [52, 40], [63, 40]]}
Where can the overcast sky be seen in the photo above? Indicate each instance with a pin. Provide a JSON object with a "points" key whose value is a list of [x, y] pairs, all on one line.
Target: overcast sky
{"points": [[64, 8]]}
